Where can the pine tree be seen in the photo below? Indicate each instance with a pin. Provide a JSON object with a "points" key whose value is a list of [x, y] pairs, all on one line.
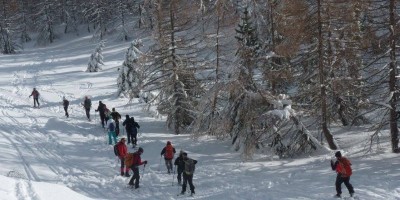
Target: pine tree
{"points": [[96, 59], [46, 20], [130, 80]]}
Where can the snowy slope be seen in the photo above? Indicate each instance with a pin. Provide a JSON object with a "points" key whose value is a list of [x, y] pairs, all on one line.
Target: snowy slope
{"points": [[47, 156]]}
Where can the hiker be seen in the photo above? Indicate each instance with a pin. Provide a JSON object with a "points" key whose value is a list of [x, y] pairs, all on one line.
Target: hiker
{"points": [[128, 127], [116, 117], [65, 105], [111, 131], [101, 109], [35, 95], [188, 173], [134, 162], [135, 127], [87, 104], [107, 113], [180, 166], [168, 151], [122, 151], [342, 166]]}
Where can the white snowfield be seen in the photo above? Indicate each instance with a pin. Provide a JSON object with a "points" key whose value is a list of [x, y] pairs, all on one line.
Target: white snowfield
{"points": [[46, 156]]}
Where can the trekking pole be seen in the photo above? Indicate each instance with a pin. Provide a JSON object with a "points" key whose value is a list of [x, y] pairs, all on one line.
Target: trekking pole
{"points": [[173, 176], [159, 166]]}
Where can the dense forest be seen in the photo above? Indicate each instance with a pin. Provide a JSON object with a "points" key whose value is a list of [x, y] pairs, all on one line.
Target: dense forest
{"points": [[269, 75]]}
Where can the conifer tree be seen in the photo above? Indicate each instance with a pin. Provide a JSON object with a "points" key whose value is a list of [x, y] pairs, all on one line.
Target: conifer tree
{"points": [[96, 58]]}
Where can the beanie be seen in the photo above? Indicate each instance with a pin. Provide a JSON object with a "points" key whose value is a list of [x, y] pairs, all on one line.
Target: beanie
{"points": [[168, 143], [338, 154], [140, 149]]}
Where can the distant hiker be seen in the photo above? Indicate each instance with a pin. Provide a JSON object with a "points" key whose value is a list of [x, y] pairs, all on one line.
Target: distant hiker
{"points": [[101, 109], [135, 127], [116, 117], [188, 173], [35, 95], [128, 127], [107, 113], [180, 165], [122, 151], [342, 166], [133, 161], [168, 151], [111, 131], [65, 105], [87, 104]]}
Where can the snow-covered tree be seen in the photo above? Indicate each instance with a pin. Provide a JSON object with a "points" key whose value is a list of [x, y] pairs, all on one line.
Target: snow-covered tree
{"points": [[130, 79], [45, 22], [96, 58], [7, 44]]}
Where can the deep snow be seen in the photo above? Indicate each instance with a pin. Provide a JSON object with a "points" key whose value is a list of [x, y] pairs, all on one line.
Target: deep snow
{"points": [[47, 156]]}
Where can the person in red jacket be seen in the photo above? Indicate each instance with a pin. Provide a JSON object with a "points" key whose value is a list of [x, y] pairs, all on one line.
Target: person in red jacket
{"points": [[168, 151], [122, 151], [342, 166], [137, 161]]}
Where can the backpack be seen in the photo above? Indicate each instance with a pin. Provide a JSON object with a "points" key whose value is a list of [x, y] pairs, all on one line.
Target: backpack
{"points": [[169, 152], [189, 166], [116, 152], [345, 167], [111, 127], [130, 159]]}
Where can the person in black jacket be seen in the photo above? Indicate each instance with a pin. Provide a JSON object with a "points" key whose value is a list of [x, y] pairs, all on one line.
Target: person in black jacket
{"points": [[116, 117], [180, 166], [87, 104], [66, 104], [188, 173], [101, 109], [128, 127], [135, 127]]}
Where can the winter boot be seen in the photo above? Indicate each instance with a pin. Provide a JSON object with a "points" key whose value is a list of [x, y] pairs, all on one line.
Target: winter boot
{"points": [[122, 173], [337, 196], [127, 174]]}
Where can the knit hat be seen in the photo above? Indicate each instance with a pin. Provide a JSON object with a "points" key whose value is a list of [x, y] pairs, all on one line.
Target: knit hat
{"points": [[338, 154], [168, 143], [140, 150], [127, 116]]}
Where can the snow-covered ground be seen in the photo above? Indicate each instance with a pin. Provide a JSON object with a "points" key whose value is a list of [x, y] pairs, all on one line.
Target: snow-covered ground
{"points": [[47, 156]]}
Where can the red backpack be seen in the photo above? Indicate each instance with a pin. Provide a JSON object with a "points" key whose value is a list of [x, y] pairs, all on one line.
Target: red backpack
{"points": [[169, 152], [345, 167]]}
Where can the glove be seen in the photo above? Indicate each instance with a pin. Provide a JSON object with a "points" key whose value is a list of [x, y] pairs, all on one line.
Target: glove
{"points": [[145, 162]]}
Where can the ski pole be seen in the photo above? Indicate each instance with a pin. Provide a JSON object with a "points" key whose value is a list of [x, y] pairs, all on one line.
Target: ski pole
{"points": [[159, 166], [144, 166], [173, 176]]}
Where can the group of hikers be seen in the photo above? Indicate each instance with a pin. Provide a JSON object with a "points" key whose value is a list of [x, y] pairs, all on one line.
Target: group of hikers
{"points": [[185, 166]]}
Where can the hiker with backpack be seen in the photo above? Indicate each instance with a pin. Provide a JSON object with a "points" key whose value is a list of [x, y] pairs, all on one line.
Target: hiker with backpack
{"points": [[188, 172], [35, 95], [116, 117], [180, 165], [168, 151], [128, 127], [101, 109], [135, 127], [133, 160], [87, 104], [65, 105], [111, 131], [121, 151], [342, 166]]}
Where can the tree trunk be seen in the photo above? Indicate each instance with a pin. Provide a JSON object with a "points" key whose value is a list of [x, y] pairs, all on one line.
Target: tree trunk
{"points": [[394, 131], [327, 133]]}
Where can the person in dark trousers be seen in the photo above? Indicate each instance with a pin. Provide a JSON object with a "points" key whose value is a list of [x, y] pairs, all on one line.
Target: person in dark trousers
{"points": [[35, 95], [101, 109], [87, 104], [128, 127], [116, 117], [122, 151], [188, 172], [168, 152], [137, 161], [135, 127], [180, 166], [65, 105], [342, 166]]}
